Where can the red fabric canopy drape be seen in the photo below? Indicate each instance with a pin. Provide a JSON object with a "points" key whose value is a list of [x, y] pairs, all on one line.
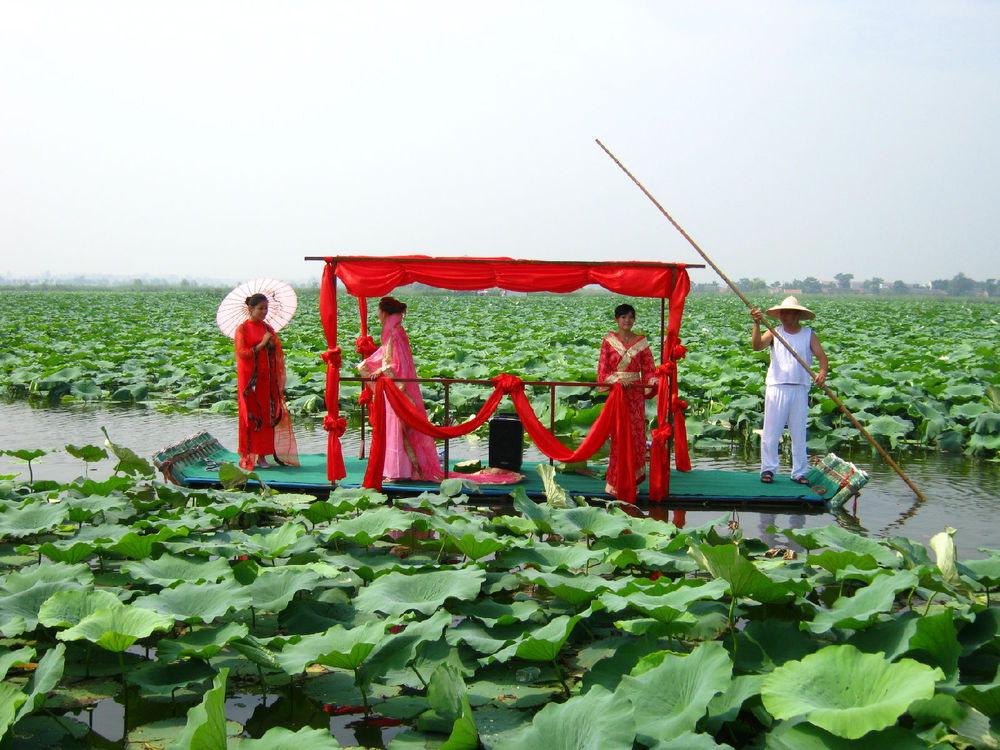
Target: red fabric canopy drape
{"points": [[375, 277]]}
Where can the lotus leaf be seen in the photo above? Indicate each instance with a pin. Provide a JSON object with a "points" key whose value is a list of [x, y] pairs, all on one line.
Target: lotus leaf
{"points": [[161, 678], [482, 639], [573, 589], [65, 551], [9, 658], [859, 692], [372, 525], [68, 608], [117, 628], [20, 610], [170, 570], [670, 698], [589, 521], [668, 605], [866, 605], [400, 648], [725, 707], [275, 587], [549, 557], [396, 593], [89, 453], [541, 644], [45, 678], [725, 561], [598, 720], [206, 722], [492, 613], [282, 541], [495, 723], [11, 699], [279, 738], [476, 546], [202, 643], [837, 537], [32, 519], [128, 462], [804, 736], [193, 602], [338, 647]]}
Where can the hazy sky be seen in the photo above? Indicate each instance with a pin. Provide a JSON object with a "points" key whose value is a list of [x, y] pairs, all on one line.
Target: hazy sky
{"points": [[229, 140]]}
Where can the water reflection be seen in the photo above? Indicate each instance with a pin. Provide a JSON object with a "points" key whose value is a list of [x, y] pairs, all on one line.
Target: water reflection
{"points": [[962, 492]]}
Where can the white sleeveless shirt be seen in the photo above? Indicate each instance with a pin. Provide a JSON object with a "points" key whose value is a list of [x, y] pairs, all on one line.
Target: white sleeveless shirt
{"points": [[784, 369]]}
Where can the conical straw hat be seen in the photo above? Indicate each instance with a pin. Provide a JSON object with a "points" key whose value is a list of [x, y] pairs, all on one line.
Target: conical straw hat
{"points": [[791, 303]]}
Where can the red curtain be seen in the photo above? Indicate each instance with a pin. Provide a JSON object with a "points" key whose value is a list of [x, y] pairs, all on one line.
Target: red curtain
{"points": [[367, 277], [668, 404], [334, 424], [613, 417]]}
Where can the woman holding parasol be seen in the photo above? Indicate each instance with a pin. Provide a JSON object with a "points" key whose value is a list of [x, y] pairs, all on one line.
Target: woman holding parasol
{"points": [[265, 427]]}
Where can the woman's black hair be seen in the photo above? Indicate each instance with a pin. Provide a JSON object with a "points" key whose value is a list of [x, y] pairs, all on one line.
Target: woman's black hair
{"points": [[255, 299], [624, 309], [391, 306]]}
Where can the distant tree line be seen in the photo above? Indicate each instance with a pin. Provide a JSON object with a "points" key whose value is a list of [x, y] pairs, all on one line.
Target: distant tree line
{"points": [[843, 283]]}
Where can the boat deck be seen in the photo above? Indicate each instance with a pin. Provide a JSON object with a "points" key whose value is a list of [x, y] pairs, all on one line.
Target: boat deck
{"points": [[197, 466]]}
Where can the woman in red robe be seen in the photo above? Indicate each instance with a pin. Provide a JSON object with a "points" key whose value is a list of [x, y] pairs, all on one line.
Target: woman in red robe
{"points": [[625, 358], [265, 426]]}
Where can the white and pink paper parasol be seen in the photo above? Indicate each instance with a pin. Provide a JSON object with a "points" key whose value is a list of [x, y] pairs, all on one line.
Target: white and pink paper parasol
{"points": [[281, 304]]}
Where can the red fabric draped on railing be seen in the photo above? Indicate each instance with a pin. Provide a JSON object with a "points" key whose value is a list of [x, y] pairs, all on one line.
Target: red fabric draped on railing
{"points": [[613, 417]]}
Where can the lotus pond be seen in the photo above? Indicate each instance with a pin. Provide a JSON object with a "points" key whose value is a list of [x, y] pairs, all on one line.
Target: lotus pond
{"points": [[919, 373], [542, 627], [131, 609]]}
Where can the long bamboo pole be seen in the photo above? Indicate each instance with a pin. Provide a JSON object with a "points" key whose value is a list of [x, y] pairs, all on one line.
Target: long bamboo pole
{"points": [[774, 333]]}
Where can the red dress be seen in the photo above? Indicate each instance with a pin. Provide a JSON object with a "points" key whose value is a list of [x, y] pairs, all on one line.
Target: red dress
{"points": [[265, 426], [628, 364]]}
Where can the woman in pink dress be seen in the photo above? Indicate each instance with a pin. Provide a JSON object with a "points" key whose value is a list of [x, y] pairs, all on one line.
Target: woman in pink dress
{"points": [[409, 454], [626, 359]]}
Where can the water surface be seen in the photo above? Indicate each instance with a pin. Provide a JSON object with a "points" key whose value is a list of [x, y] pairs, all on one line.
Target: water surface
{"points": [[961, 492]]}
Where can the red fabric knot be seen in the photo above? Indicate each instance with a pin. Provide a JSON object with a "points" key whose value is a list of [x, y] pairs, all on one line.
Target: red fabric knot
{"points": [[337, 425], [365, 398], [332, 357], [681, 405], [667, 369], [663, 434], [507, 383], [679, 351], [365, 345]]}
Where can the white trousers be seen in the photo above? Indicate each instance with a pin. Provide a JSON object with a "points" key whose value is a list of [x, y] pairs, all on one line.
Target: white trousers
{"points": [[785, 405]]}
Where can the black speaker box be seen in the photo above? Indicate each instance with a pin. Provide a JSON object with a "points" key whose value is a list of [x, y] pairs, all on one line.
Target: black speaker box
{"points": [[506, 442]]}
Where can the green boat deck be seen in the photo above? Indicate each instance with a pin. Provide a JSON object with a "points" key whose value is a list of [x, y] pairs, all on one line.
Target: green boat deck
{"points": [[195, 463]]}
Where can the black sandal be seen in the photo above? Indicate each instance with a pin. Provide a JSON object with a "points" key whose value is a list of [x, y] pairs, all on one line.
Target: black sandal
{"points": [[800, 480], [767, 477]]}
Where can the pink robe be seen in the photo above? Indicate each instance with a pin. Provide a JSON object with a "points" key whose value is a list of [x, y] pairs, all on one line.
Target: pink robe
{"points": [[628, 364], [409, 454]]}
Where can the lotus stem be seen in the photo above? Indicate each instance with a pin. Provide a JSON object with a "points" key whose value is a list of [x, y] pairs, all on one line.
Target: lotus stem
{"points": [[562, 678], [419, 676], [364, 694], [928, 607]]}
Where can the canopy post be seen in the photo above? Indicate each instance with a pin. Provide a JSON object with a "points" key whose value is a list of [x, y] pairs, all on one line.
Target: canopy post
{"points": [[333, 423]]}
